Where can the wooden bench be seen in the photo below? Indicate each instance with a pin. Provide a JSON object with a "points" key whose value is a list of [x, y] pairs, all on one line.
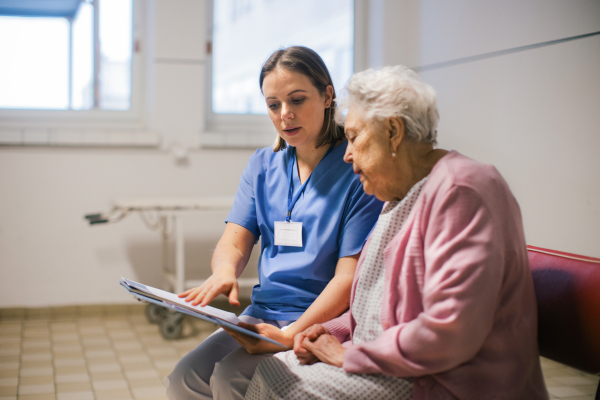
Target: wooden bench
{"points": [[567, 288]]}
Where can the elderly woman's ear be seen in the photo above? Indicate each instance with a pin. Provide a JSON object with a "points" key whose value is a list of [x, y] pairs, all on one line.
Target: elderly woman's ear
{"points": [[395, 130]]}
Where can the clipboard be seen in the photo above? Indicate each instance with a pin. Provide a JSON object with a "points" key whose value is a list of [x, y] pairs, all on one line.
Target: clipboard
{"points": [[173, 302]]}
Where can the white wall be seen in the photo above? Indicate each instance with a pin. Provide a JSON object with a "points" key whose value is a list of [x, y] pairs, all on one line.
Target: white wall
{"points": [[50, 256], [533, 114]]}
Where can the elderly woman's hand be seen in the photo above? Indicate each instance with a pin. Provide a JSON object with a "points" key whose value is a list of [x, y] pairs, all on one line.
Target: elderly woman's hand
{"points": [[311, 333], [316, 344], [327, 349]]}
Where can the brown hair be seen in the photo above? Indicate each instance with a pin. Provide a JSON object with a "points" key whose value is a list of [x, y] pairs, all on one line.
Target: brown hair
{"points": [[307, 62]]}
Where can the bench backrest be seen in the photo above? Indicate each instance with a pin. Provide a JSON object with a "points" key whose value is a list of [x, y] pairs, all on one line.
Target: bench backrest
{"points": [[567, 288]]}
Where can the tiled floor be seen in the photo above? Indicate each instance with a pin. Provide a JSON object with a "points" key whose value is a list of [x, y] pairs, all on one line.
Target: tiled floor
{"points": [[90, 357], [115, 354], [567, 383]]}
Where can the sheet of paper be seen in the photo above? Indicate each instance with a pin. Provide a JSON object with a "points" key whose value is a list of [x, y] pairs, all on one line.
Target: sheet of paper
{"points": [[173, 298]]}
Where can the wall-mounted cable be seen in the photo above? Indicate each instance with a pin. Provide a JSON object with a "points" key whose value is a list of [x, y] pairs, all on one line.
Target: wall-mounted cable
{"points": [[492, 54]]}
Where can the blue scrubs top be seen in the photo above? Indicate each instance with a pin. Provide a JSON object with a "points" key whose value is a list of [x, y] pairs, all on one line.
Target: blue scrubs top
{"points": [[336, 215]]}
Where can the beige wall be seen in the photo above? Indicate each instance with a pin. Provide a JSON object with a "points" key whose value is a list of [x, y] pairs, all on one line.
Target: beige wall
{"points": [[533, 114], [50, 256]]}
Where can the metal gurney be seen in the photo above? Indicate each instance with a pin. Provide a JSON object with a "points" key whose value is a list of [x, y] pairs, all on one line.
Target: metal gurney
{"points": [[165, 216]]}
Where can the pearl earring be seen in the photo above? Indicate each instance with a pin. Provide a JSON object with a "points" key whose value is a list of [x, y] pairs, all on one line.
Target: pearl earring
{"points": [[393, 154]]}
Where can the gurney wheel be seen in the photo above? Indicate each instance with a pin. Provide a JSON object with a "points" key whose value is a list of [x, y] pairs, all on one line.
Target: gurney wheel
{"points": [[155, 314], [171, 327]]}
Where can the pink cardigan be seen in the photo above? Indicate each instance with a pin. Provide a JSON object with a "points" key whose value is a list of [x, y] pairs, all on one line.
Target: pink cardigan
{"points": [[459, 311]]}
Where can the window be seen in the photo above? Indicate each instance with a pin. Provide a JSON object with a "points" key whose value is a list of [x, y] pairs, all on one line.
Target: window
{"points": [[75, 58], [80, 79], [244, 34], [35, 63]]}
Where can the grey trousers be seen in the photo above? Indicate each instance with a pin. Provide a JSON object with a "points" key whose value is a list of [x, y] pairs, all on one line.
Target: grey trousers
{"points": [[218, 368]]}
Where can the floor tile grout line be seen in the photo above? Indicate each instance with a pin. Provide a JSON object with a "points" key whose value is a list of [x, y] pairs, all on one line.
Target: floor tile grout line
{"points": [[121, 366], [87, 366], [20, 358], [54, 361]]}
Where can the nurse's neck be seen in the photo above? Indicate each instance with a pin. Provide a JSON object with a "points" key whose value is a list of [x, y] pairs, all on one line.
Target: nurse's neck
{"points": [[308, 158]]}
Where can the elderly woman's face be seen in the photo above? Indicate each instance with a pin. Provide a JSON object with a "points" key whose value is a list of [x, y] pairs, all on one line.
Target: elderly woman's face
{"points": [[369, 154]]}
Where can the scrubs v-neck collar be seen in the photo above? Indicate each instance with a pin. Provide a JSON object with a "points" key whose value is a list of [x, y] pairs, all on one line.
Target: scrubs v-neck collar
{"points": [[292, 177]]}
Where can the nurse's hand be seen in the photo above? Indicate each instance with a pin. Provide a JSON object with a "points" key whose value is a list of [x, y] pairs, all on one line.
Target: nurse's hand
{"points": [[257, 346], [312, 333], [327, 349], [218, 283]]}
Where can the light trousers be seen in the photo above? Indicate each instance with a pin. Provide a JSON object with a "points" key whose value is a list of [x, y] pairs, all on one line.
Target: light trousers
{"points": [[218, 368]]}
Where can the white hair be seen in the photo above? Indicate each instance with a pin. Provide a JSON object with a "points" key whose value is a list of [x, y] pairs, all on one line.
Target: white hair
{"points": [[393, 92]]}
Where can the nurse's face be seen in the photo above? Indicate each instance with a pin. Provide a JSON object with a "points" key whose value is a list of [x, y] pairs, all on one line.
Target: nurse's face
{"points": [[367, 150], [296, 107]]}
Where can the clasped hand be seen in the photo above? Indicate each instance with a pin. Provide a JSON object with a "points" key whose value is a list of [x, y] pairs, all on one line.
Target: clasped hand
{"points": [[317, 344]]}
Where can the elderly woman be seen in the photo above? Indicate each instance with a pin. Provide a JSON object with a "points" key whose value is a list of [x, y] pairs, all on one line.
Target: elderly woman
{"points": [[442, 302]]}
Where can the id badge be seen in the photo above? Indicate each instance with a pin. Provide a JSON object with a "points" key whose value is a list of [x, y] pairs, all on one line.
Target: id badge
{"points": [[288, 233]]}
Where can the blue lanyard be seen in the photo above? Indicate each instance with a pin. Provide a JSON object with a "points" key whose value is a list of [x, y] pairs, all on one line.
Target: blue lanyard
{"points": [[291, 198]]}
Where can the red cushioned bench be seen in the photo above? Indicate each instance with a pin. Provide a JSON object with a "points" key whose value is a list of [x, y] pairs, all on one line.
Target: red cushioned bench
{"points": [[567, 288]]}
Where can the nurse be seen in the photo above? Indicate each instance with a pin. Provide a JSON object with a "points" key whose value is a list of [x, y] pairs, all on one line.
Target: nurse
{"points": [[309, 210]]}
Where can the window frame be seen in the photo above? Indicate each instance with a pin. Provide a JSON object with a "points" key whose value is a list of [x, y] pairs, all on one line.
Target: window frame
{"points": [[95, 119], [253, 131]]}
